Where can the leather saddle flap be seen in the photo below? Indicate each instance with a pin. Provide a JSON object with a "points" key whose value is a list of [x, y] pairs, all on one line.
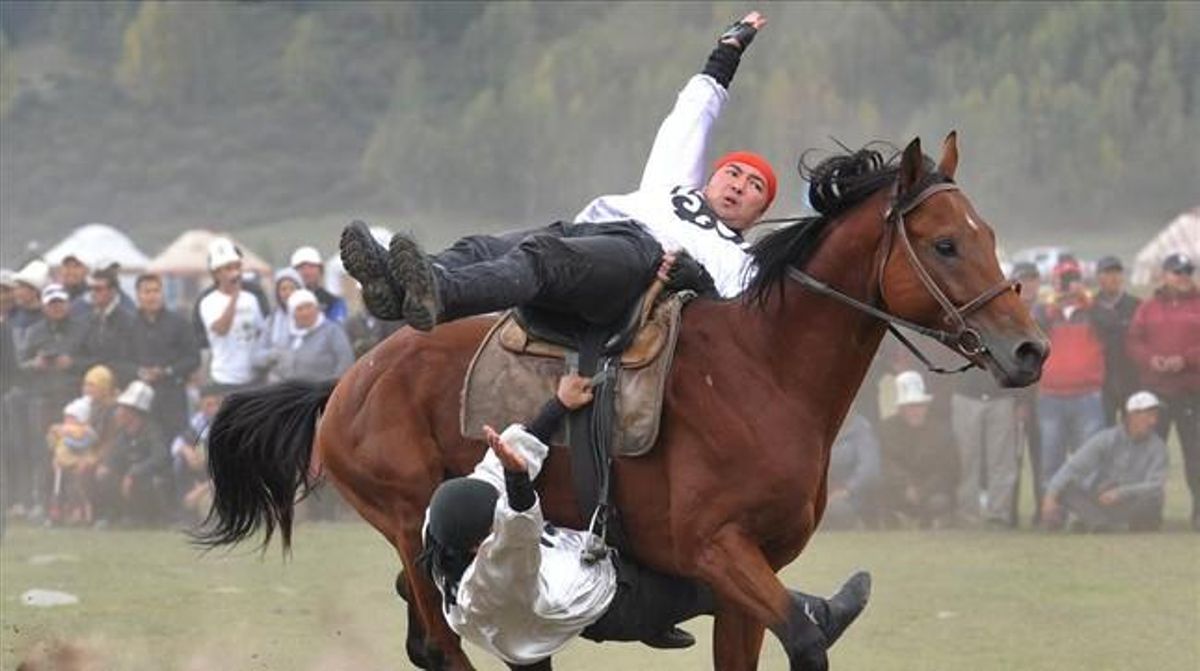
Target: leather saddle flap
{"points": [[512, 375]]}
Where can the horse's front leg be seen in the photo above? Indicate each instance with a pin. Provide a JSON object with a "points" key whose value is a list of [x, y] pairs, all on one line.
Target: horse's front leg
{"points": [[738, 572]]}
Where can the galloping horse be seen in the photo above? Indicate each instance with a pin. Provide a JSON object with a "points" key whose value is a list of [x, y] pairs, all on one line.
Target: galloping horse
{"points": [[736, 485]]}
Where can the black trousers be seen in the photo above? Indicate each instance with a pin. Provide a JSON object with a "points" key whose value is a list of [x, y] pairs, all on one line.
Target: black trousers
{"points": [[648, 603], [591, 271], [1183, 411]]}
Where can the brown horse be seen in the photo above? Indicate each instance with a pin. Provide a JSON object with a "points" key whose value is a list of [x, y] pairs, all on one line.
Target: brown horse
{"points": [[736, 485]]}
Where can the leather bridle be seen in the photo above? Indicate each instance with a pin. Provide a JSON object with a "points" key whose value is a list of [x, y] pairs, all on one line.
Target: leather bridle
{"points": [[961, 337]]}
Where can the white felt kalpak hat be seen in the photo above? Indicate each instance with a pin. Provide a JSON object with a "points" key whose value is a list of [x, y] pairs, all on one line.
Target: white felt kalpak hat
{"points": [[222, 252], [138, 395], [306, 254], [910, 389], [1142, 400]]}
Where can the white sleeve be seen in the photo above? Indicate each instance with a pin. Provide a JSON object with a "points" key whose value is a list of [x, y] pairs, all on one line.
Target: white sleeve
{"points": [[677, 157], [211, 308], [508, 561]]}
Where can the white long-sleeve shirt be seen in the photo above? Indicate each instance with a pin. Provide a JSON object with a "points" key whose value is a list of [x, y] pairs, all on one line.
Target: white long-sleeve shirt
{"points": [[669, 202], [528, 592]]}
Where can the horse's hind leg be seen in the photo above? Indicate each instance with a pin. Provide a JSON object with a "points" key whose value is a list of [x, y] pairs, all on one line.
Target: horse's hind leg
{"points": [[751, 597], [415, 637]]}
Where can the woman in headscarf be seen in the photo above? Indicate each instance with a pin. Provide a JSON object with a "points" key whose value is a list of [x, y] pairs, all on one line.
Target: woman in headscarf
{"points": [[317, 348], [276, 336]]}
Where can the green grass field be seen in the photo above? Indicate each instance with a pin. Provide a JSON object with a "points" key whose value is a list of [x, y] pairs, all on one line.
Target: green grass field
{"points": [[943, 600], [948, 600]]}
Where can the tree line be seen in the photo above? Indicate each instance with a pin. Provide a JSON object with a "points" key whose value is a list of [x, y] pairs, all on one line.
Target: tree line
{"points": [[161, 115]]}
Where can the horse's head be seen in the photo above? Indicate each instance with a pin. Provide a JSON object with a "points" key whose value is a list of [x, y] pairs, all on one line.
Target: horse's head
{"points": [[940, 271]]}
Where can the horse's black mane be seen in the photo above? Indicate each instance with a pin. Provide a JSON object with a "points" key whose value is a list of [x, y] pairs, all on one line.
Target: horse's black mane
{"points": [[835, 185]]}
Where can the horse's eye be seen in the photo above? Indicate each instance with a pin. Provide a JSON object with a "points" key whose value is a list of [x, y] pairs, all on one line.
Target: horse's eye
{"points": [[945, 247]]}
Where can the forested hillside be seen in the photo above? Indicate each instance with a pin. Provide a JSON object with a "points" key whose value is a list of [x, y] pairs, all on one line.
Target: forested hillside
{"points": [[157, 116]]}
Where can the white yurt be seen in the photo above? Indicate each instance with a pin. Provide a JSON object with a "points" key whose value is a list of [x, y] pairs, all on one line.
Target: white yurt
{"points": [[1181, 235]]}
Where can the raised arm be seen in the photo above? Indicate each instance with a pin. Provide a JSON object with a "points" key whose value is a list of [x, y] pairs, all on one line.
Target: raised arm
{"points": [[677, 156]]}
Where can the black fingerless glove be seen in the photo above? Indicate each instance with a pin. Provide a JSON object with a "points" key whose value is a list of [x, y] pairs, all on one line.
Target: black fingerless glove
{"points": [[742, 32], [688, 274], [519, 488], [723, 63]]}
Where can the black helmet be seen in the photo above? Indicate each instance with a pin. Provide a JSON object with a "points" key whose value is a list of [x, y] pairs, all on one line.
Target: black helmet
{"points": [[461, 512]]}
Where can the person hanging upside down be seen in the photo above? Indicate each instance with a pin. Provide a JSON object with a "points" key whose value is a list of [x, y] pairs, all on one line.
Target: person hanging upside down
{"points": [[594, 268], [522, 588]]}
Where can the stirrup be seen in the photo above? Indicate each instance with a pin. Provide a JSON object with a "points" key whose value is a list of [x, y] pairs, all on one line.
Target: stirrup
{"points": [[595, 549]]}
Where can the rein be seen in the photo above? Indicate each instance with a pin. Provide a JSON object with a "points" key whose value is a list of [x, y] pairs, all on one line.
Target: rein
{"points": [[963, 339]]}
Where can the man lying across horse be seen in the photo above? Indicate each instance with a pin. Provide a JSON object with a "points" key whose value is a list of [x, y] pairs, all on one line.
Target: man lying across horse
{"points": [[595, 268], [522, 588]]}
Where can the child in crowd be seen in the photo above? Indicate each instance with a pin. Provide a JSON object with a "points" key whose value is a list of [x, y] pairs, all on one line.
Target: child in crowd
{"points": [[189, 454], [73, 444]]}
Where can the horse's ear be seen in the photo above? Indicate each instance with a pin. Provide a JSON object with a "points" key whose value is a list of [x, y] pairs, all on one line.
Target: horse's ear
{"points": [[949, 162], [912, 166]]}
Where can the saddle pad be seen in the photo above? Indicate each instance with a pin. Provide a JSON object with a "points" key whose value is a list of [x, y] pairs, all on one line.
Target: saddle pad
{"points": [[502, 386]]}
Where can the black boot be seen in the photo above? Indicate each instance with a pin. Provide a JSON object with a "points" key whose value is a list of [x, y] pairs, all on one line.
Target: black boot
{"points": [[835, 614], [434, 295], [366, 261], [671, 639]]}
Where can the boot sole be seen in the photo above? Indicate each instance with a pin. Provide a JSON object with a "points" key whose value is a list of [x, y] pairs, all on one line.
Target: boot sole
{"points": [[412, 269], [366, 261]]}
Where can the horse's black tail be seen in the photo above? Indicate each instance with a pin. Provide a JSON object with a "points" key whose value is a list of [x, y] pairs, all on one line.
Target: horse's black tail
{"points": [[259, 450]]}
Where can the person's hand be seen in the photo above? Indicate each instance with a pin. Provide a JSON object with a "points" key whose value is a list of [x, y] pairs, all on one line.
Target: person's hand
{"points": [[664, 268], [509, 458], [1109, 497], [574, 391], [1158, 363], [742, 33], [1173, 364], [127, 486], [63, 361]]}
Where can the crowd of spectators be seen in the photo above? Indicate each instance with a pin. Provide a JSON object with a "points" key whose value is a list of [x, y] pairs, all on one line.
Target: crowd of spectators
{"points": [[1122, 372], [107, 398]]}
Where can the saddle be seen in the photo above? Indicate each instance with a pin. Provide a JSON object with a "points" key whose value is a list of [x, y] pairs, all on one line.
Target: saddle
{"points": [[518, 364]]}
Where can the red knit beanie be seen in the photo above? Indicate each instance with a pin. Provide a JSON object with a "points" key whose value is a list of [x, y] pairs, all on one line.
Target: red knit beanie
{"points": [[755, 161]]}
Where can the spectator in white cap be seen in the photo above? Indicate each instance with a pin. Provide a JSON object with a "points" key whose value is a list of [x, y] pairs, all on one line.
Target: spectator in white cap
{"points": [[307, 261], [920, 463], [7, 285], [232, 318], [136, 474], [1115, 481], [50, 358], [223, 252], [317, 349], [28, 283]]}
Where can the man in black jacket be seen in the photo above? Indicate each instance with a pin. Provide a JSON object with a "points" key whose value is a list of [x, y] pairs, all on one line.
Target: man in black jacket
{"points": [[109, 337], [1112, 313], [165, 354]]}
